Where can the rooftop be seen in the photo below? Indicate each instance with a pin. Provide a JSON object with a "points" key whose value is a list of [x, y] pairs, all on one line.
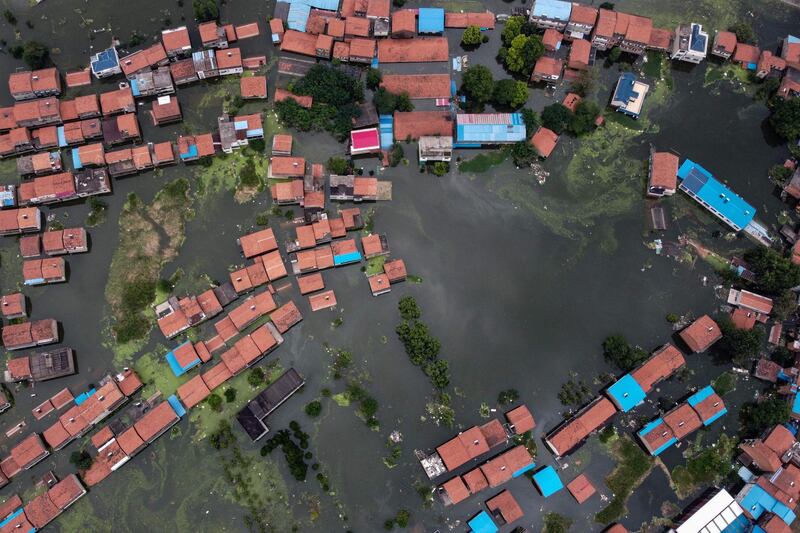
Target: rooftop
{"points": [[701, 334]]}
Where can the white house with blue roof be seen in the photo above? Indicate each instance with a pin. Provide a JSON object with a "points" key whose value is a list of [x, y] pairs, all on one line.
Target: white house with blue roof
{"points": [[105, 63], [629, 95], [690, 43]]}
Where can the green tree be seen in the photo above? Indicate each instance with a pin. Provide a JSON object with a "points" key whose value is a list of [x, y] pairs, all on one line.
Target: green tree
{"points": [[420, 346], [614, 54], [779, 173], [374, 78], [532, 121], [10, 18], [35, 54], [338, 166], [607, 5], [739, 345], [409, 310], [205, 10], [784, 305], [744, 32], [256, 377], [582, 122], [523, 53], [396, 154], [230, 395], [523, 154], [774, 273], [402, 518], [472, 36], [512, 29], [439, 373], [478, 84], [508, 396], [617, 351], [585, 83], [785, 119], [510, 93], [81, 460], [387, 103], [556, 117], [756, 417], [783, 356], [440, 168], [215, 402], [314, 408]]}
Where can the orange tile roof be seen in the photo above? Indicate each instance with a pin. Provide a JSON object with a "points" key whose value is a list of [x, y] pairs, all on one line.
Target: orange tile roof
{"points": [[664, 362], [726, 40], [521, 418], [216, 375], [299, 43], [701, 334], [456, 490], [310, 283], [574, 431], [287, 166], [129, 441], [582, 14], [475, 480], [257, 243], [117, 101], [78, 78], [606, 22], [418, 85], [404, 20], [746, 53], [579, 54], [229, 58], [193, 391], [548, 66], [660, 39], [282, 143], [743, 318], [176, 40], [362, 48], [416, 50], [395, 270], [544, 140], [483, 20], [155, 421], [551, 39], [682, 420], [505, 504], [581, 488], [302, 101], [253, 86], [209, 32], [664, 170], [462, 448], [286, 316], [245, 31], [143, 59], [416, 124], [357, 26], [322, 300], [639, 29], [41, 511], [336, 28]]}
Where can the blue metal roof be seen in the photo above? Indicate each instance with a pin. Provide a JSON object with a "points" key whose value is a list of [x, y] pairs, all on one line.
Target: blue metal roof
{"points": [[62, 138], [79, 399], [431, 20], [719, 199], [11, 517], [757, 501], [177, 406], [626, 393], [548, 481], [177, 369], [490, 133], [552, 9], [741, 524], [793, 39], [796, 404], [105, 60], [76, 160], [298, 16], [135, 88], [386, 125], [701, 395], [650, 427], [344, 259], [698, 41], [524, 469], [191, 152], [482, 523]]}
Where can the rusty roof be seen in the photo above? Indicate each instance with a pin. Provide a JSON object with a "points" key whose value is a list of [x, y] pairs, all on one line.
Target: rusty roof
{"points": [[155, 421], [664, 170], [286, 316], [682, 420], [416, 50], [663, 363], [418, 86], [253, 86], [701, 334], [416, 124], [193, 391]]}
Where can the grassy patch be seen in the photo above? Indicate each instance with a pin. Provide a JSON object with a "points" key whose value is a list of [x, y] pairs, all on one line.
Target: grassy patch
{"points": [[556, 523], [375, 265], [633, 465], [624, 120], [726, 72], [706, 466], [652, 69], [156, 374], [10, 269], [483, 162], [242, 172], [97, 214], [725, 383], [150, 236]]}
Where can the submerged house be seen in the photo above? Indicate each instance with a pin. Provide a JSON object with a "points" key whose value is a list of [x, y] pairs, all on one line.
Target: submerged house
{"points": [[489, 129], [706, 190], [629, 95], [252, 416]]}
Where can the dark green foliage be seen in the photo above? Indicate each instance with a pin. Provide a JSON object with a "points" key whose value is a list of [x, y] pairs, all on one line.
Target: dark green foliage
{"points": [[478, 84], [556, 117], [756, 417], [785, 119], [409, 310], [248, 177], [632, 465], [523, 153], [607, 5], [136, 39], [582, 122], [388, 525], [402, 518], [10, 18], [744, 32], [767, 89], [471, 36], [205, 10], [369, 406], [396, 155], [138, 294], [556, 523], [439, 373], [672, 318], [341, 362], [374, 77], [256, 377], [521, 55], [399, 3], [739, 345], [585, 83], [16, 51], [510, 93], [339, 166], [230, 395], [223, 437], [783, 356], [293, 453], [329, 86], [420, 346], [532, 122], [614, 54], [440, 168], [508, 396], [780, 173], [257, 145], [35, 54], [313, 408], [81, 460], [215, 402], [606, 434], [784, 305], [387, 103], [774, 273], [616, 350], [574, 392]]}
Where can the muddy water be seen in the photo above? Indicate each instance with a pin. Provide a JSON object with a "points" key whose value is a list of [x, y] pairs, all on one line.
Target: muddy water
{"points": [[514, 305]]}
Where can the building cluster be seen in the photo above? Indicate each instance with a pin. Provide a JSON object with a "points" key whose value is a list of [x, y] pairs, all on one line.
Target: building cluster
{"points": [[42, 509], [631, 389], [471, 446]]}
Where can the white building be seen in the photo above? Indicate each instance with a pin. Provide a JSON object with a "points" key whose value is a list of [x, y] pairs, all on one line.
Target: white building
{"points": [[711, 515], [690, 43]]}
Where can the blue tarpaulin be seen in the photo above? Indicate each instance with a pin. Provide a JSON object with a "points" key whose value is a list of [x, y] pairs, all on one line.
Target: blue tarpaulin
{"points": [[190, 153], [79, 399], [482, 523], [177, 369], [547, 481], [524, 469], [352, 257], [62, 139], [11, 517], [177, 406], [76, 160], [626, 393]]}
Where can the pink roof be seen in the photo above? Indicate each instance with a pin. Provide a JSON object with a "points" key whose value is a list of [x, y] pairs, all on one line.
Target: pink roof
{"points": [[365, 139]]}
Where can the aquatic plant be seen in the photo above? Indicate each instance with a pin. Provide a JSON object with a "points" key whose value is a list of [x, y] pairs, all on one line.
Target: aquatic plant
{"points": [[708, 465], [508, 396], [556, 523], [633, 465], [616, 350], [313, 408]]}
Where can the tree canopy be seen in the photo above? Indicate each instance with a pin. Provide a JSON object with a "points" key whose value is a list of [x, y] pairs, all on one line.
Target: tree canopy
{"points": [[205, 10], [35, 54], [521, 56], [387, 103], [739, 345], [471, 36], [785, 119], [617, 351], [582, 122], [374, 78], [556, 117], [774, 272], [478, 84], [744, 32], [510, 93], [759, 416]]}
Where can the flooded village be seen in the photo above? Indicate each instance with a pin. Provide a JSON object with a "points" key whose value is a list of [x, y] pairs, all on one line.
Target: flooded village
{"points": [[223, 224]]}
